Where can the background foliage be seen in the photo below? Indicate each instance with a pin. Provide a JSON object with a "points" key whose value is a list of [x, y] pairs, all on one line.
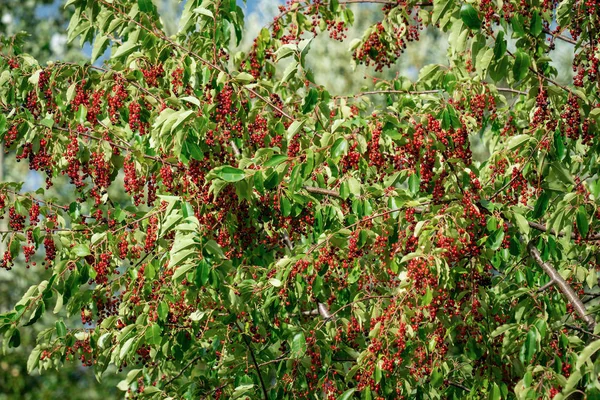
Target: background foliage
{"points": [[238, 223]]}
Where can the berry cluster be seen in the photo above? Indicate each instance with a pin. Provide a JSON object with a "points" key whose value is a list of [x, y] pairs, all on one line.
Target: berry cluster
{"points": [[152, 74]]}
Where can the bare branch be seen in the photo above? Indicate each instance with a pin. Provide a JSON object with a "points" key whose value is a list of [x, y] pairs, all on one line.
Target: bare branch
{"points": [[546, 286], [563, 286]]}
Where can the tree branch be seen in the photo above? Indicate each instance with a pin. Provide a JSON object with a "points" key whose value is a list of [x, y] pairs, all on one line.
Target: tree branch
{"points": [[563, 286], [262, 382], [578, 329], [546, 286], [318, 190], [189, 364]]}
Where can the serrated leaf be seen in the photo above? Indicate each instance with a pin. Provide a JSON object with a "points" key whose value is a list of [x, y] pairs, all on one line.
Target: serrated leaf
{"points": [[275, 160], [100, 44], [81, 250], [244, 77], [536, 23], [522, 223], [39, 311], [529, 347], [298, 347], [213, 248], [145, 5], [203, 11], [61, 329], [275, 282], [15, 339], [494, 240], [34, 359], [230, 174], [521, 65], [59, 303], [587, 353], [191, 99], [339, 147], [582, 222], [153, 334], [126, 347], [541, 205], [182, 270], [470, 17], [126, 48], [293, 129], [163, 310], [347, 395], [500, 46]]}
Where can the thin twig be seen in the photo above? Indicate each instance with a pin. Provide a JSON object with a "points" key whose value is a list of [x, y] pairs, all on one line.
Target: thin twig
{"points": [[578, 329], [189, 364], [262, 383], [458, 385], [546, 286]]}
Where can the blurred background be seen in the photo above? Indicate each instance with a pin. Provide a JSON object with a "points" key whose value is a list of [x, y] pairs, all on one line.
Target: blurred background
{"points": [[41, 29]]}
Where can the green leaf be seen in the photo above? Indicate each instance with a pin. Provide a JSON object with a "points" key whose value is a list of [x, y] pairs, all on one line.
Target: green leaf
{"points": [[339, 147], [34, 359], [163, 310], [541, 205], [15, 339], [203, 11], [202, 273], [294, 128], [536, 24], [192, 149], [440, 8], [244, 77], [563, 12], [145, 5], [470, 17], [414, 182], [126, 347], [230, 174], [587, 353], [309, 101], [37, 314], [495, 393], [59, 303], [522, 223], [49, 122], [494, 240], [81, 250], [521, 65], [298, 347], [559, 145], [582, 222], [213, 248], [517, 24], [100, 44], [126, 48], [275, 282], [182, 270], [499, 46], [347, 394], [61, 329], [286, 206], [275, 160], [530, 345], [153, 335]]}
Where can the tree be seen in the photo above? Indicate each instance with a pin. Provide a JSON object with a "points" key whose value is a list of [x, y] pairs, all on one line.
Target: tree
{"points": [[282, 242]]}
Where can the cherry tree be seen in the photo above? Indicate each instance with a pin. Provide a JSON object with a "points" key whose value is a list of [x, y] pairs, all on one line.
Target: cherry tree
{"points": [[278, 241]]}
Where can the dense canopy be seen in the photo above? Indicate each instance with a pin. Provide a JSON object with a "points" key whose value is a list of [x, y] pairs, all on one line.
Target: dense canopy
{"points": [[279, 241]]}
